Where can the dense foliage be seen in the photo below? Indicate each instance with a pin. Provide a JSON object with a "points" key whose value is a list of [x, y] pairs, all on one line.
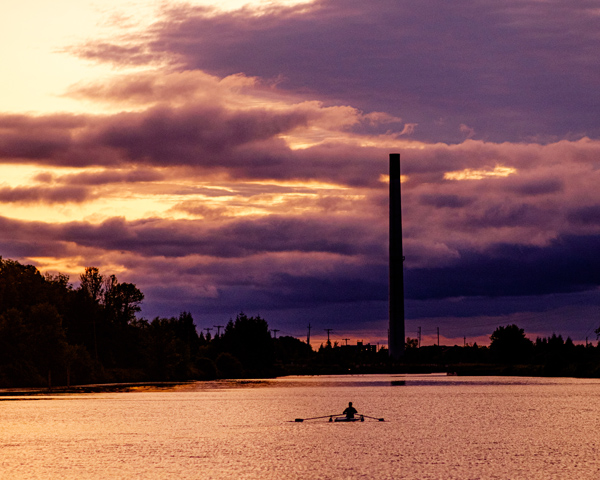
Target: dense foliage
{"points": [[54, 334], [512, 353]]}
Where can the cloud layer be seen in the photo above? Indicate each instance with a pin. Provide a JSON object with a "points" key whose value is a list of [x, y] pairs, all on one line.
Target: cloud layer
{"points": [[510, 70], [245, 166]]}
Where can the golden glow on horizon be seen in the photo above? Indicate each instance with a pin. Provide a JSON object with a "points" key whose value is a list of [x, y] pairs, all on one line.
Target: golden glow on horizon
{"points": [[390, 142], [472, 174], [67, 266], [228, 5], [74, 266], [303, 138], [172, 198], [311, 184], [35, 36], [13, 175]]}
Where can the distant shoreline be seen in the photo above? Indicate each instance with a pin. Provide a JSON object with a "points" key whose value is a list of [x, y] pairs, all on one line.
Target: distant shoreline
{"points": [[472, 370], [94, 388]]}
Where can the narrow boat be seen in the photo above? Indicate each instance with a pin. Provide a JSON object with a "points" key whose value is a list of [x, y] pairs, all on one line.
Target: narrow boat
{"points": [[346, 419], [339, 418]]}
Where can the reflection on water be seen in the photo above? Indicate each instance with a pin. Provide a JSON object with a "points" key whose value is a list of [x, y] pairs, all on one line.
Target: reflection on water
{"points": [[435, 427]]}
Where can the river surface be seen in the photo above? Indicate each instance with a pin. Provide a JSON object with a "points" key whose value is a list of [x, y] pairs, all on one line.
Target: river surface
{"points": [[436, 427]]}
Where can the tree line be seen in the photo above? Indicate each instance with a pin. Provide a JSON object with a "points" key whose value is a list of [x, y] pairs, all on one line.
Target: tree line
{"points": [[511, 352], [53, 334]]}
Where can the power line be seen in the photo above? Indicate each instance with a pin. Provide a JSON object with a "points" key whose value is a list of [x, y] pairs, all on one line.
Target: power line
{"points": [[219, 327]]}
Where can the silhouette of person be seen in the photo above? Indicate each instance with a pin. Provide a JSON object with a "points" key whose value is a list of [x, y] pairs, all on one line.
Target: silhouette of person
{"points": [[350, 411]]}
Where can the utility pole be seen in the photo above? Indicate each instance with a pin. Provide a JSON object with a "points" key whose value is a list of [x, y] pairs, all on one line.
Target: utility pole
{"points": [[219, 327], [464, 341], [308, 336], [419, 337], [328, 330], [346, 340], [438, 332], [275, 332], [207, 332]]}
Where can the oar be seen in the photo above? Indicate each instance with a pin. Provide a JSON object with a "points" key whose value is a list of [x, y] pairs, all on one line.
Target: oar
{"points": [[315, 418], [375, 418]]}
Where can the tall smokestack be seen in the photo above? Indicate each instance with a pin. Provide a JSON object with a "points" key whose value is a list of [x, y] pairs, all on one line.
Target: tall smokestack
{"points": [[396, 286]]}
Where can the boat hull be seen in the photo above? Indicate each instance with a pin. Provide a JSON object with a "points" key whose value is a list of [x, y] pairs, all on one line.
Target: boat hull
{"points": [[345, 419]]}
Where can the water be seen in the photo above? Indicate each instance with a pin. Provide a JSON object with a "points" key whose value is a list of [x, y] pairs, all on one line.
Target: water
{"points": [[436, 427]]}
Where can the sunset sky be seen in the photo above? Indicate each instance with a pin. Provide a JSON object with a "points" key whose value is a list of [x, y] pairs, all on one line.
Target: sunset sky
{"points": [[235, 158]]}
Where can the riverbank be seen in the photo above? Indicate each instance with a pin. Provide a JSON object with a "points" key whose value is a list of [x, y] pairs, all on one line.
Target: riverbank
{"points": [[462, 370], [95, 388]]}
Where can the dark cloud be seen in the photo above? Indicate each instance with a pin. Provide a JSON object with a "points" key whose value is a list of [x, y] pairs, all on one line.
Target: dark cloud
{"points": [[130, 53], [110, 176], [509, 70], [241, 144], [36, 144], [237, 238], [586, 215], [445, 201], [567, 264], [369, 283], [332, 270], [167, 136], [41, 123], [48, 195], [246, 145], [21, 240], [507, 215], [37, 137], [494, 226], [542, 186]]}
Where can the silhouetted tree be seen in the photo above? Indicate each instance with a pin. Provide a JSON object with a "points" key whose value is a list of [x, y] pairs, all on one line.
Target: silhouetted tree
{"points": [[46, 339], [122, 301], [172, 347], [92, 288], [249, 340], [92, 283], [510, 345], [228, 366], [207, 369], [290, 349], [21, 286]]}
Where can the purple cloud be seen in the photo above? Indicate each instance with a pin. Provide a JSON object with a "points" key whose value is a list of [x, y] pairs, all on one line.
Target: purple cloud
{"points": [[510, 70], [238, 238], [270, 134], [48, 195]]}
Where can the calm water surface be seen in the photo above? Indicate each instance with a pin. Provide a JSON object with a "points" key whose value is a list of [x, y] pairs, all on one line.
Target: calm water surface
{"points": [[436, 427]]}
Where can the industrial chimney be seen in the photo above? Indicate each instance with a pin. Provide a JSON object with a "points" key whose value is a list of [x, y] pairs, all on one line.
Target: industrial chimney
{"points": [[396, 268]]}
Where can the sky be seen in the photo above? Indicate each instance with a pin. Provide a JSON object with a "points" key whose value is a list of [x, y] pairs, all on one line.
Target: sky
{"points": [[233, 156]]}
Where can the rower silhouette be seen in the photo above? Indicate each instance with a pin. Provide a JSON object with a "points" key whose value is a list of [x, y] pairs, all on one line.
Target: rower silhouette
{"points": [[350, 411]]}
